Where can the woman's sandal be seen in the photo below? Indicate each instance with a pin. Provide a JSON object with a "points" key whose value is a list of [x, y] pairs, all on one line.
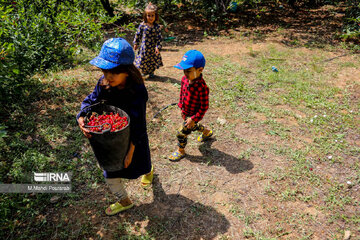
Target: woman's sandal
{"points": [[203, 137], [116, 208], [147, 179], [176, 156]]}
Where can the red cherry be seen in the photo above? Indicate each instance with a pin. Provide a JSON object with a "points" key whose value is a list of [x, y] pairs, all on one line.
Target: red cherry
{"points": [[117, 122]]}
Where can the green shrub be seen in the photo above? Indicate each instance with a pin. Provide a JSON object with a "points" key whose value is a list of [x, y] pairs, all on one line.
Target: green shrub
{"points": [[351, 28], [40, 34]]}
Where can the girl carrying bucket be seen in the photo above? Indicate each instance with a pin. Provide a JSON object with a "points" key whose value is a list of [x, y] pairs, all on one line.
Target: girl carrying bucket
{"points": [[148, 41], [123, 87]]}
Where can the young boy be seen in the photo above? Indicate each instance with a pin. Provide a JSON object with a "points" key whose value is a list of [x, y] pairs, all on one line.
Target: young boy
{"points": [[193, 102]]}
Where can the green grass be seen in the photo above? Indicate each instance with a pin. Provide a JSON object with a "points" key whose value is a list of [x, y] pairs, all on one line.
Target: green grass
{"points": [[246, 217], [328, 119], [45, 139]]}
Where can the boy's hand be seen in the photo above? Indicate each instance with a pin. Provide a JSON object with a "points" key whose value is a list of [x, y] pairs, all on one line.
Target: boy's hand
{"points": [[189, 123], [157, 52], [85, 131], [135, 47]]}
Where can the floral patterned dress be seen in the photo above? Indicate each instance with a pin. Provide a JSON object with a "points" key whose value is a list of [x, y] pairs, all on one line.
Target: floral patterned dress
{"points": [[150, 38]]}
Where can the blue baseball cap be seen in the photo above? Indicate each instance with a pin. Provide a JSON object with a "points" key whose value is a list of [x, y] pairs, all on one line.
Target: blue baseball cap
{"points": [[114, 52], [192, 58]]}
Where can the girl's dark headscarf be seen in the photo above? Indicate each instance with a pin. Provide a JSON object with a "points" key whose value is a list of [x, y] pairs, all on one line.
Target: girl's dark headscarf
{"points": [[134, 77]]}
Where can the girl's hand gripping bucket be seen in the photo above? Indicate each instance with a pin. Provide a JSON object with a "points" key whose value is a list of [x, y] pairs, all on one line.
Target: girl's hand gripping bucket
{"points": [[110, 147]]}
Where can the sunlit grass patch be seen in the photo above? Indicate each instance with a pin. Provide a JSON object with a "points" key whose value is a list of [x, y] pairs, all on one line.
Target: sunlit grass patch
{"points": [[306, 89]]}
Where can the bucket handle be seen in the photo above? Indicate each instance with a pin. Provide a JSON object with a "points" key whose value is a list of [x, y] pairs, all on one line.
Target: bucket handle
{"points": [[102, 128]]}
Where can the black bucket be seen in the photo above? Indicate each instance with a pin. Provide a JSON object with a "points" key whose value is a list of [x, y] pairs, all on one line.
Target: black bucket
{"points": [[110, 148]]}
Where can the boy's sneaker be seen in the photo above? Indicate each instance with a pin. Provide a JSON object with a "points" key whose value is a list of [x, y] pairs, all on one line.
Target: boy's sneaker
{"points": [[203, 137], [151, 75], [176, 156]]}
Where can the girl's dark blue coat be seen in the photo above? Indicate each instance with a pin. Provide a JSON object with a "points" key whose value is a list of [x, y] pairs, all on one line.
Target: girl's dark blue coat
{"points": [[133, 101]]}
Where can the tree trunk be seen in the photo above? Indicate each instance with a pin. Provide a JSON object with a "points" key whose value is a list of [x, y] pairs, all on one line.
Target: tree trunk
{"points": [[312, 3], [292, 3], [107, 7]]}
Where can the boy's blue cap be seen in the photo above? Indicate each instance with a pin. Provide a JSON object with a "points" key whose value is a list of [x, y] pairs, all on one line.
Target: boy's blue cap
{"points": [[192, 58], [114, 52]]}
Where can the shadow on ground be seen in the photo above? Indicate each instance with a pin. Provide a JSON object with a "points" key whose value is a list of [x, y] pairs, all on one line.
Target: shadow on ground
{"points": [[173, 216], [213, 156], [158, 78], [305, 26]]}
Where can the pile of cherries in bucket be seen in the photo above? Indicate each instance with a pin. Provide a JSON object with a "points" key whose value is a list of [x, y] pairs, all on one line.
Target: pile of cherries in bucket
{"points": [[115, 121]]}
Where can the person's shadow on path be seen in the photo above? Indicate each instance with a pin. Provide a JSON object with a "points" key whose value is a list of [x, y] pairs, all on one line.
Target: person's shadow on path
{"points": [[158, 78], [212, 156], [173, 216]]}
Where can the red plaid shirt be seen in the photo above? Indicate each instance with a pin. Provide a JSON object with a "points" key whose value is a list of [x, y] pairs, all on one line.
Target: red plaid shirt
{"points": [[194, 98]]}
